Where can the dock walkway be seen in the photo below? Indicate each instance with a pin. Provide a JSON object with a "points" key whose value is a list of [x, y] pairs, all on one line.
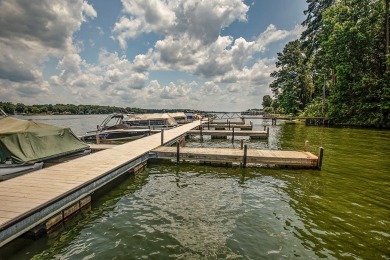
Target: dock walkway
{"points": [[32, 199], [266, 157], [251, 134]]}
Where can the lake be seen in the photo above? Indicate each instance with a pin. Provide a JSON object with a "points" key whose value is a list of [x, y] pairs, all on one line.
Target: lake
{"points": [[194, 211]]}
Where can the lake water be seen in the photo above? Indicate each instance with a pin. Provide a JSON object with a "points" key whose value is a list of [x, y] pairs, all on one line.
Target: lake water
{"points": [[190, 211]]}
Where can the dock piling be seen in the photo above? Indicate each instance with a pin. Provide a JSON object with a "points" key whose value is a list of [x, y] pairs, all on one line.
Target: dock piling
{"points": [[306, 147], [242, 144], [162, 136], [267, 132], [245, 155], [320, 157], [232, 134], [97, 138], [177, 151]]}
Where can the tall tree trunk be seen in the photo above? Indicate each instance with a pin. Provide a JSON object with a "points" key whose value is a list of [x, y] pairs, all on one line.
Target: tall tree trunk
{"points": [[387, 35]]}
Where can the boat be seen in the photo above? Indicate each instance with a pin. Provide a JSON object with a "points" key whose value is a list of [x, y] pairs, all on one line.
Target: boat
{"points": [[151, 121], [113, 129], [127, 127], [8, 171], [26, 145], [180, 117]]}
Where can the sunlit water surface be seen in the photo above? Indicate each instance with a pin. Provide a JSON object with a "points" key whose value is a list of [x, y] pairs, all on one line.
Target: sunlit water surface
{"points": [[193, 211]]}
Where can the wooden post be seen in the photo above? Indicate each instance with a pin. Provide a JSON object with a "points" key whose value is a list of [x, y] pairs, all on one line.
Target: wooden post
{"points": [[183, 142], [267, 132], [306, 147], [251, 125], [177, 151], [97, 137], [233, 134], [320, 157], [229, 125], [201, 131], [162, 136], [242, 144], [208, 124], [245, 154], [265, 127]]}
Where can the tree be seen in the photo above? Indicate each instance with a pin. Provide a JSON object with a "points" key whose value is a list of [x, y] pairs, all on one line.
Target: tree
{"points": [[267, 101], [314, 24], [352, 43], [293, 84]]}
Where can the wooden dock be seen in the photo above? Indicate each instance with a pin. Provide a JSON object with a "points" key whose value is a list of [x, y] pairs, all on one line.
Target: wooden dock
{"points": [[253, 156], [232, 133], [45, 197], [228, 126]]}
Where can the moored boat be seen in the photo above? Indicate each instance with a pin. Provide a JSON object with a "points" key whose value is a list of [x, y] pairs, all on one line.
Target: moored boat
{"points": [[26, 145], [127, 127], [8, 171]]}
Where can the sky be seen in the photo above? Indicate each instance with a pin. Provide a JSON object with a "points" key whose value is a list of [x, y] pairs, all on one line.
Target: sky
{"points": [[214, 55]]}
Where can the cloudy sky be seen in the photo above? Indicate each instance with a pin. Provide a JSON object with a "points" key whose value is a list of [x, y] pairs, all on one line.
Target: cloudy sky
{"points": [[197, 54]]}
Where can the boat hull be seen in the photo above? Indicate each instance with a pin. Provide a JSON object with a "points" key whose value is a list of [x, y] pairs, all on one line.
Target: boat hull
{"points": [[8, 171]]}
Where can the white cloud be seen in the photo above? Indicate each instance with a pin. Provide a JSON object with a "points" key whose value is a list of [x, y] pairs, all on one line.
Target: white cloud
{"points": [[32, 32], [198, 20], [223, 70]]}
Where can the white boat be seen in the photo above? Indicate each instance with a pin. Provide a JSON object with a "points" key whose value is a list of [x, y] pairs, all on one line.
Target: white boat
{"points": [[127, 127]]}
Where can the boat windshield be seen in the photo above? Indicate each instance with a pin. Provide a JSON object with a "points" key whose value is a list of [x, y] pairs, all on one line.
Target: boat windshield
{"points": [[111, 120]]}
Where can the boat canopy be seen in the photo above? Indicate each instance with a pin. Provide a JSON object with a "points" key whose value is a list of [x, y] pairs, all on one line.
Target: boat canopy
{"points": [[168, 120], [180, 115], [27, 141]]}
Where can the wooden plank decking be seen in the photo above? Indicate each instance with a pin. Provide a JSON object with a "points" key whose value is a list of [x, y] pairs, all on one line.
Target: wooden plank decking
{"points": [[265, 157], [252, 134], [242, 127], [31, 199]]}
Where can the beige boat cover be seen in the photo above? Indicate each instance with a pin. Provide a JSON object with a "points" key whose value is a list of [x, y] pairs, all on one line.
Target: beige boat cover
{"points": [[28, 141], [156, 116]]}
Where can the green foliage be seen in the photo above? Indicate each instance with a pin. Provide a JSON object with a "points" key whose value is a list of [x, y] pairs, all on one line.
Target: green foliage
{"points": [[293, 84], [316, 108], [57, 109], [267, 101], [346, 60]]}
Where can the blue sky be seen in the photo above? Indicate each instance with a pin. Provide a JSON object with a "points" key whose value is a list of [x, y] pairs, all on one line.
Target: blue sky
{"points": [[207, 55]]}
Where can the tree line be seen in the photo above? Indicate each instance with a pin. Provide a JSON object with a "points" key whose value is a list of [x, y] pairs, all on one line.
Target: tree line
{"points": [[340, 66], [60, 109]]}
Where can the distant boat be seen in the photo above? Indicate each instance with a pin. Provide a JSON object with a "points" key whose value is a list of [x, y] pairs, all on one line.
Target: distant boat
{"points": [[25, 145]]}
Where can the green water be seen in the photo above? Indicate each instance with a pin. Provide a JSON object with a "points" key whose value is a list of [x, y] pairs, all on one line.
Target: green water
{"points": [[189, 211]]}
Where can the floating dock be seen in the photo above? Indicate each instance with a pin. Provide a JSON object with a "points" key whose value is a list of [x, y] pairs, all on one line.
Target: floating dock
{"points": [[228, 126], [45, 197], [232, 133], [253, 156], [42, 199]]}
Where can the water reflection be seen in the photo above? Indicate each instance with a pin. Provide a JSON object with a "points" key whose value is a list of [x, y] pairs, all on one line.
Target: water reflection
{"points": [[191, 211]]}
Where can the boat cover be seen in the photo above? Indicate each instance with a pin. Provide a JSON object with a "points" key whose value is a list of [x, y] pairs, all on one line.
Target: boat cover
{"points": [[156, 116], [28, 141]]}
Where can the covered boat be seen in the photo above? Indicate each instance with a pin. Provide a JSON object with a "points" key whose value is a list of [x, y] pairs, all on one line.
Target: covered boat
{"points": [[180, 117], [152, 121], [25, 143]]}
